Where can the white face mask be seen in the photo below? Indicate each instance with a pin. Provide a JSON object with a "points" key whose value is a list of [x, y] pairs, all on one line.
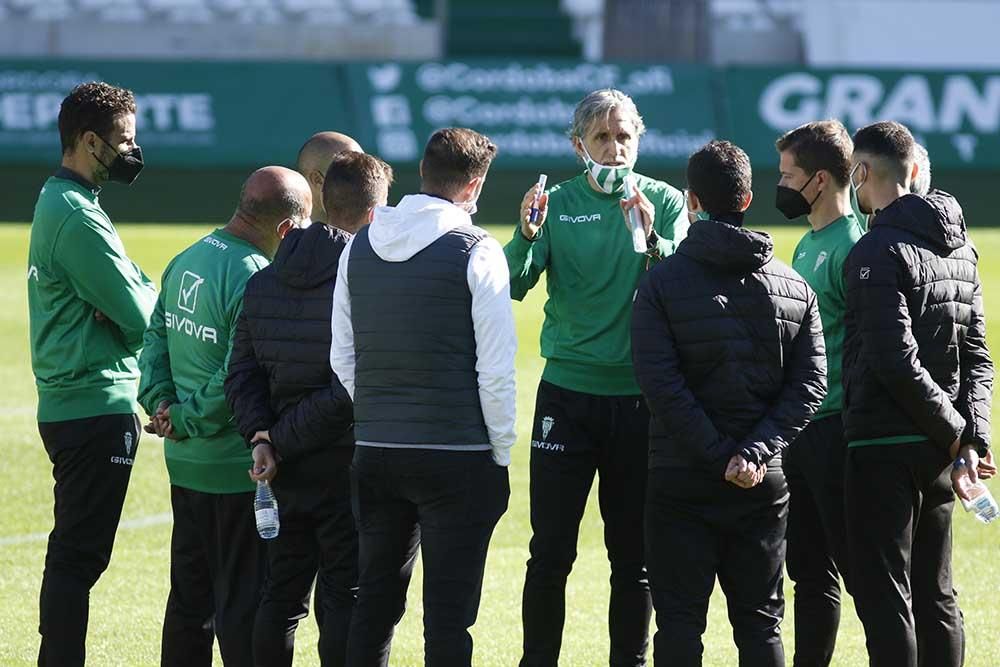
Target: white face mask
{"points": [[855, 187], [471, 206], [301, 224], [609, 178]]}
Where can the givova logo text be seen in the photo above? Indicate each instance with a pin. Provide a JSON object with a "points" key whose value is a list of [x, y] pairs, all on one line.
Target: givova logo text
{"points": [[191, 328], [574, 219]]}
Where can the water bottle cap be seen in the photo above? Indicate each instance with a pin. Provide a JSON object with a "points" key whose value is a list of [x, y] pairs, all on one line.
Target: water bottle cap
{"points": [[959, 463]]}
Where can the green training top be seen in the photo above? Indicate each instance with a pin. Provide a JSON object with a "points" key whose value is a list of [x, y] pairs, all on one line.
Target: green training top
{"points": [[84, 367], [592, 276], [819, 258], [185, 359]]}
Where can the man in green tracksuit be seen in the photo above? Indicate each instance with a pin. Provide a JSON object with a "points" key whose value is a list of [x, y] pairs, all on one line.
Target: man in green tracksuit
{"points": [[815, 164], [589, 413], [216, 563], [88, 305]]}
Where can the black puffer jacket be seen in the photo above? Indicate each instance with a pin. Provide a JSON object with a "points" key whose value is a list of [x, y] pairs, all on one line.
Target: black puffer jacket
{"points": [[728, 350], [279, 372], [915, 356]]}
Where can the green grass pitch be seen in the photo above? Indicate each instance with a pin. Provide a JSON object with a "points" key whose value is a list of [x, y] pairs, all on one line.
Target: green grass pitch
{"points": [[127, 604]]}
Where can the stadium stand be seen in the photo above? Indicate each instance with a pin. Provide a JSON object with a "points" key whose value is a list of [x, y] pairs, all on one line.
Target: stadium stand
{"points": [[396, 12], [244, 28], [220, 29], [538, 27]]}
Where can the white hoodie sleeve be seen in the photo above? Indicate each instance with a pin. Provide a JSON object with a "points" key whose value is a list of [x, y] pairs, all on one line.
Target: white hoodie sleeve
{"points": [[342, 347], [496, 344]]}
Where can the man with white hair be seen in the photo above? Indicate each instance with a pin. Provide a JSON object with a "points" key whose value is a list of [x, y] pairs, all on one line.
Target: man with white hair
{"points": [[589, 413]]}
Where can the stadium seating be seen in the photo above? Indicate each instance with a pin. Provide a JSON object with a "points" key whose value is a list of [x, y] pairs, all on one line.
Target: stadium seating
{"points": [[754, 15], [396, 12], [488, 28], [588, 25]]}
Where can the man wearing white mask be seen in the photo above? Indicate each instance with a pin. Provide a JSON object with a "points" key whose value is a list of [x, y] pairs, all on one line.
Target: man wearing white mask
{"points": [[589, 413]]}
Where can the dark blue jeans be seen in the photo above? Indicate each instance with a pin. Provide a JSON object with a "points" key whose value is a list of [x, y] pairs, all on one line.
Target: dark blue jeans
{"points": [[445, 502]]}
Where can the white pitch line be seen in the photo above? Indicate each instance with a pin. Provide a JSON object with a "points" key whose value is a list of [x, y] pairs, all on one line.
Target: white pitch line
{"points": [[128, 524]]}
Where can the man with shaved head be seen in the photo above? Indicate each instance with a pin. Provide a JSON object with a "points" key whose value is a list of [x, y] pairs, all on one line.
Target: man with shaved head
{"points": [[290, 407], [314, 160], [216, 561]]}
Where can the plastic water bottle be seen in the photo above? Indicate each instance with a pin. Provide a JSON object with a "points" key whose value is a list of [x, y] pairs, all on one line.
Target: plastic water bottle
{"points": [[639, 243], [265, 507], [981, 502]]}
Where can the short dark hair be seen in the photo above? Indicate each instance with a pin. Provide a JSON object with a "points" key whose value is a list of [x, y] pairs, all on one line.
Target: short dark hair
{"points": [[890, 141], [354, 184], [454, 156], [92, 106], [719, 174], [824, 144]]}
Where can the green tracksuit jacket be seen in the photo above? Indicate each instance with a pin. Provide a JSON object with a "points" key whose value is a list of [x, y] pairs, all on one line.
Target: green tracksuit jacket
{"points": [[819, 258], [592, 276], [185, 360], [84, 367]]}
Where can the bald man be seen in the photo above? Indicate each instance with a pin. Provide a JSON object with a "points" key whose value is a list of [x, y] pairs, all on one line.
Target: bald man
{"points": [[314, 160], [216, 559]]}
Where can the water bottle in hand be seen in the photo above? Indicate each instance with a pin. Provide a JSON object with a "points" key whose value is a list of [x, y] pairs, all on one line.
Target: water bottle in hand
{"points": [[265, 508], [639, 243], [981, 502]]}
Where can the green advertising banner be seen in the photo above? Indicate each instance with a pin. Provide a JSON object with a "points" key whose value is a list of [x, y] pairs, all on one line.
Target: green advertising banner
{"points": [[188, 114], [956, 115], [528, 108], [240, 115]]}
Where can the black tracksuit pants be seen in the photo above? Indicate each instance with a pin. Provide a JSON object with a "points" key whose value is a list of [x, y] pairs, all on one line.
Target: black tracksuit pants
{"points": [[217, 569], [317, 541], [816, 539], [898, 509], [699, 527], [445, 502], [576, 435], [91, 465]]}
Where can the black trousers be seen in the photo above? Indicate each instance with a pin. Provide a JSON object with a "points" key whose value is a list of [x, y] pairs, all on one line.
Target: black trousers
{"points": [[317, 541], [576, 435], [91, 464], [217, 568], [699, 527], [898, 509], [445, 502], [816, 537]]}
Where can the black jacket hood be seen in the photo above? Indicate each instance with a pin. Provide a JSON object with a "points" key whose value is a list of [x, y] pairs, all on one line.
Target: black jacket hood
{"points": [[309, 257], [727, 247], [937, 218]]}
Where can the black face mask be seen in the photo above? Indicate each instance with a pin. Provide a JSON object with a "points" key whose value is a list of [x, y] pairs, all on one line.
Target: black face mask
{"points": [[125, 167], [792, 203]]}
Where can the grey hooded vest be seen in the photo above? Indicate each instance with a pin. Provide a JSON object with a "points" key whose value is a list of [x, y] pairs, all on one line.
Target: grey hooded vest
{"points": [[415, 347]]}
